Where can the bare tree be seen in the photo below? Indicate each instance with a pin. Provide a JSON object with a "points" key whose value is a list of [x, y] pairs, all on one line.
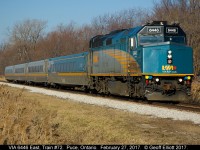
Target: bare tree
{"points": [[187, 13], [123, 19], [6, 56], [25, 35]]}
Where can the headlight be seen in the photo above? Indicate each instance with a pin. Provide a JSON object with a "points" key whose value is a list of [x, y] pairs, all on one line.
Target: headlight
{"points": [[169, 52], [157, 79], [180, 80], [169, 56]]}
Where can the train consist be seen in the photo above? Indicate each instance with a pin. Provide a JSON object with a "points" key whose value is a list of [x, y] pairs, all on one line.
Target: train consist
{"points": [[151, 61]]}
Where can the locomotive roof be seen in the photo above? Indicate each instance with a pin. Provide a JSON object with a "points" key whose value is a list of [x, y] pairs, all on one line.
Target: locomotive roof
{"points": [[118, 33], [68, 56], [115, 36]]}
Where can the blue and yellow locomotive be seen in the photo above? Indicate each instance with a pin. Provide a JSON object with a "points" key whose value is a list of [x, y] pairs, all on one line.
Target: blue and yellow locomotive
{"points": [[151, 61]]}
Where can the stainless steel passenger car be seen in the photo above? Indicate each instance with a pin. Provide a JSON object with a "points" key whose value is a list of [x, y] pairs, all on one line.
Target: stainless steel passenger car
{"points": [[33, 72], [68, 70], [36, 72], [16, 73]]}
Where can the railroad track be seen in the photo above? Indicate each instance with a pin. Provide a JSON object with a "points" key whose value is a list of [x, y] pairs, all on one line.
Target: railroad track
{"points": [[167, 104], [190, 107]]}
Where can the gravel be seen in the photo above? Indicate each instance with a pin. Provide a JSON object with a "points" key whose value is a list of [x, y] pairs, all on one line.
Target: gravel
{"points": [[122, 105]]}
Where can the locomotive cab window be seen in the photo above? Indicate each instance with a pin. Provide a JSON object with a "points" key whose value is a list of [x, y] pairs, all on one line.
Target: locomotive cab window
{"points": [[176, 39], [149, 39], [175, 34], [151, 35], [157, 34], [132, 43]]}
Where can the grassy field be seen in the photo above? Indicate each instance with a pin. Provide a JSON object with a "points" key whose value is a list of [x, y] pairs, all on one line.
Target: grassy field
{"points": [[30, 118]]}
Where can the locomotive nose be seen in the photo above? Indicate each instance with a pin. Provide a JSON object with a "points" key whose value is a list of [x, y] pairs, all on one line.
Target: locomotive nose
{"points": [[167, 58], [172, 64]]}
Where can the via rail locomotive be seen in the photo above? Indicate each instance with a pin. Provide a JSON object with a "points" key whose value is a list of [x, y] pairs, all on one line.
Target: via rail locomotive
{"points": [[151, 61]]}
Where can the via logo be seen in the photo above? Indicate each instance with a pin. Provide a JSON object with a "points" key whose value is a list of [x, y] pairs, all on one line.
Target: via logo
{"points": [[168, 67]]}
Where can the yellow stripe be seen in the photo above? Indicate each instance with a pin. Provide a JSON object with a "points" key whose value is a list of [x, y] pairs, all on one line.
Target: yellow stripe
{"points": [[26, 74], [168, 74], [120, 57], [114, 74], [15, 74], [124, 63], [72, 74], [124, 59]]}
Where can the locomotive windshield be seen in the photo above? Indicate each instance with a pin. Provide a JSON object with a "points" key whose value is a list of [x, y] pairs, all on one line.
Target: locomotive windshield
{"points": [[175, 39], [149, 39], [162, 33]]}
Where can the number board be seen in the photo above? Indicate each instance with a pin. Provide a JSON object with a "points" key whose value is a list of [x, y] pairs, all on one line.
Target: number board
{"points": [[154, 30], [172, 30]]}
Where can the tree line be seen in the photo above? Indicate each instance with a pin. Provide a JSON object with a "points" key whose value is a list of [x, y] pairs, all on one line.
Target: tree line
{"points": [[28, 41], [187, 13]]}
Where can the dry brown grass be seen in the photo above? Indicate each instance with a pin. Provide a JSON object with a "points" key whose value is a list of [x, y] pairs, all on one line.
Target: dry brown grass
{"points": [[23, 121], [2, 78], [30, 118], [196, 91]]}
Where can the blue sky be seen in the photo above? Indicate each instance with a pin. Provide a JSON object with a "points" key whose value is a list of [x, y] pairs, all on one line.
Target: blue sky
{"points": [[56, 12]]}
